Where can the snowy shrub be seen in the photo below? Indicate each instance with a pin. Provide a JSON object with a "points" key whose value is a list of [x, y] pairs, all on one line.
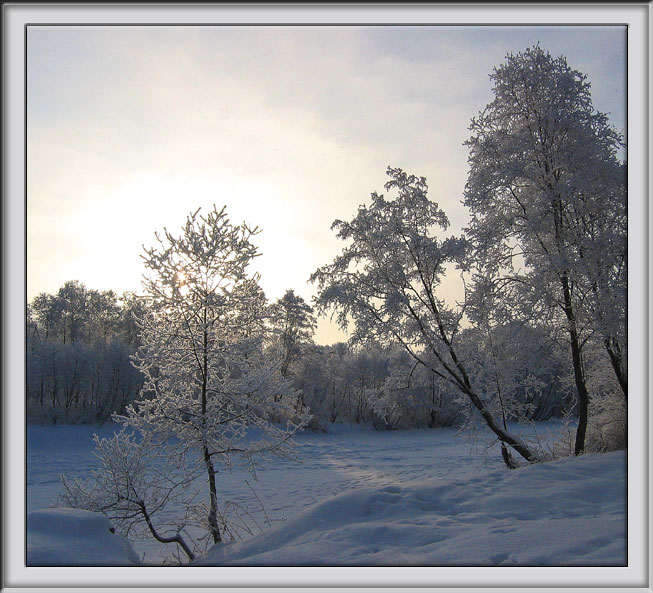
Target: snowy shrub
{"points": [[607, 428], [411, 396], [134, 487], [392, 403]]}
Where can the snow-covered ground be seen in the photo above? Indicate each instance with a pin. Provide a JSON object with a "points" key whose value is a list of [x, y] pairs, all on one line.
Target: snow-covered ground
{"points": [[73, 537], [564, 513], [419, 497]]}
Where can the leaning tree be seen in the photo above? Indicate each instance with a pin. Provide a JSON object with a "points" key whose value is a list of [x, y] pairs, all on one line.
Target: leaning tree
{"points": [[387, 279]]}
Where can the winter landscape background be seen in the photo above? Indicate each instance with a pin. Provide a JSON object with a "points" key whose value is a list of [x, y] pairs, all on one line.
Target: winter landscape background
{"points": [[291, 359]]}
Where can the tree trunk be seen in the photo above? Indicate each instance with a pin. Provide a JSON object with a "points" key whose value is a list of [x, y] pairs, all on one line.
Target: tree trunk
{"points": [[213, 508], [507, 457], [504, 436], [463, 383], [210, 470], [579, 375], [616, 358]]}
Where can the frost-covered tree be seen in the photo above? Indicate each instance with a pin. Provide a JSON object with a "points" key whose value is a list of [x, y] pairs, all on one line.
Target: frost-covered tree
{"points": [[102, 314], [508, 348], [45, 313], [293, 324], [387, 280], [208, 383], [399, 401], [546, 193], [76, 313], [132, 308], [72, 297]]}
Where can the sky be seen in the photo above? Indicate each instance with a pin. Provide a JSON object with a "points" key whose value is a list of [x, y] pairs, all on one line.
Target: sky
{"points": [[130, 129]]}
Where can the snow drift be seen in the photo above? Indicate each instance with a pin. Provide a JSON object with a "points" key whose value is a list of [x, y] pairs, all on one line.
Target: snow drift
{"points": [[569, 512], [72, 537]]}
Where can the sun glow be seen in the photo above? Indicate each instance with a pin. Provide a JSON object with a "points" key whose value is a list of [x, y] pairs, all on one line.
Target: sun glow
{"points": [[182, 286]]}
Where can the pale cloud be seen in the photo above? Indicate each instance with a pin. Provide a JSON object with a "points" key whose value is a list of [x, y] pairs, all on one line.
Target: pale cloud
{"points": [[130, 129]]}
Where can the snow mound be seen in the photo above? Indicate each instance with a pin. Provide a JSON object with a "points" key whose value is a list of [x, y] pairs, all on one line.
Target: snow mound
{"points": [[73, 537], [569, 512]]}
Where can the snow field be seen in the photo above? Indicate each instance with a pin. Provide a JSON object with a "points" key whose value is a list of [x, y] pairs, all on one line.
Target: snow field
{"points": [[418, 497], [570, 512]]}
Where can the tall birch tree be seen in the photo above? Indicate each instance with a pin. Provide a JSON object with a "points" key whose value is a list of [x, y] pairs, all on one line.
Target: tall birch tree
{"points": [[547, 196]]}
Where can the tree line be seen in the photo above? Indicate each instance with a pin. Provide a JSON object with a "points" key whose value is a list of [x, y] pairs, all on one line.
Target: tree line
{"points": [[79, 347]]}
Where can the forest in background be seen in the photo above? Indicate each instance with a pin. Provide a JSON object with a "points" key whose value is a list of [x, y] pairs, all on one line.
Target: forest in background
{"points": [[79, 370]]}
